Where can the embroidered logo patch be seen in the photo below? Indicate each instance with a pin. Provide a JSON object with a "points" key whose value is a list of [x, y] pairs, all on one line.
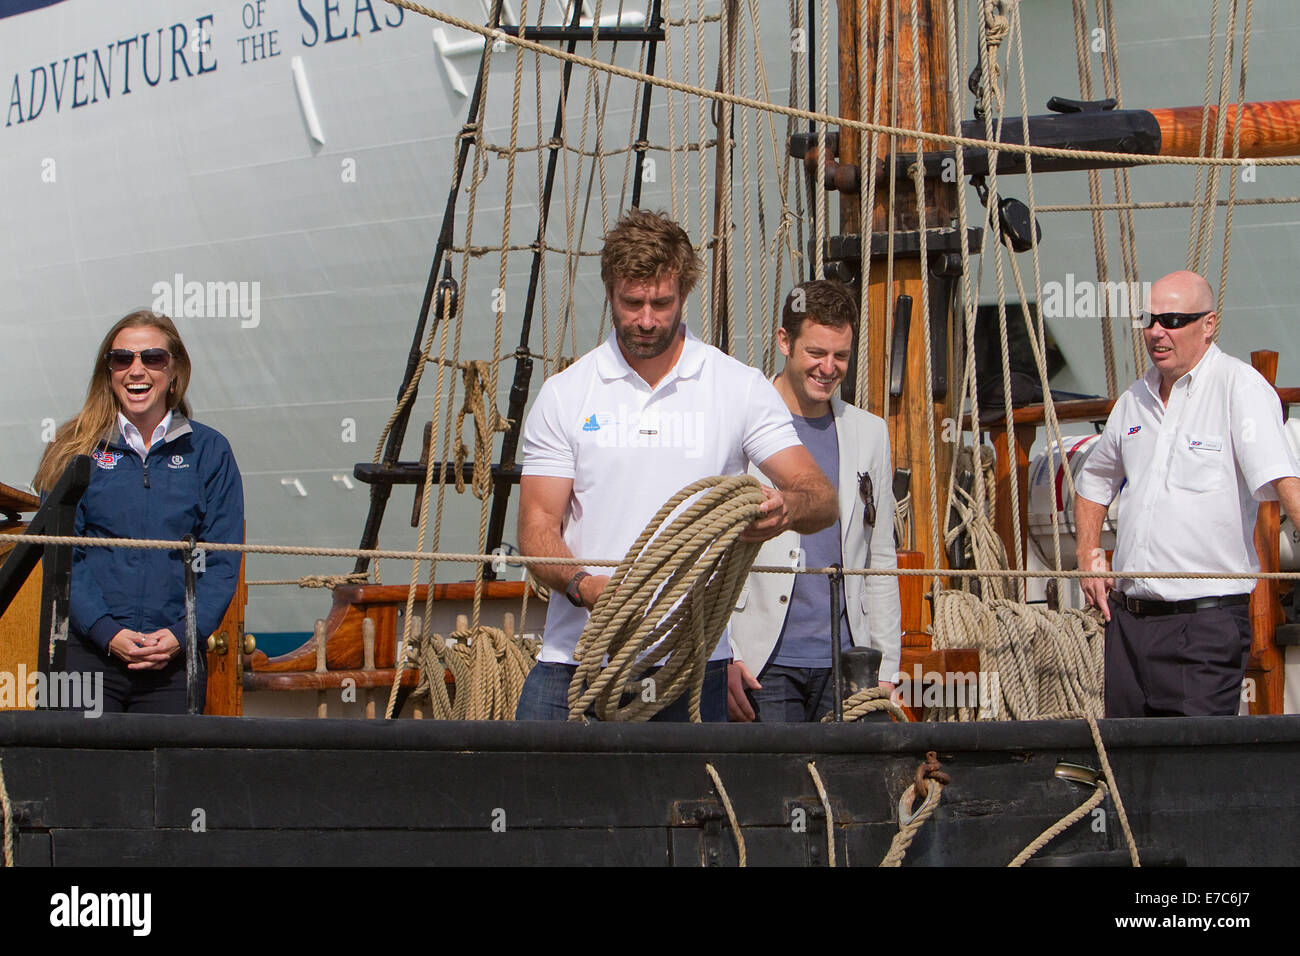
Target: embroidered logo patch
{"points": [[107, 459], [177, 462], [1135, 429]]}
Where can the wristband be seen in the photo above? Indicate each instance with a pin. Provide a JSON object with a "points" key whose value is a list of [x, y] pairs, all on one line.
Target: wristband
{"points": [[571, 590]]}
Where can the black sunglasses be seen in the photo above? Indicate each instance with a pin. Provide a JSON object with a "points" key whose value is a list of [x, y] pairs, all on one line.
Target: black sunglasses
{"points": [[1171, 320], [119, 360], [866, 493]]}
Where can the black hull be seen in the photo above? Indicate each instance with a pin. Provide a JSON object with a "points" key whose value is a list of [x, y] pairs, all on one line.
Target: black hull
{"points": [[246, 791]]}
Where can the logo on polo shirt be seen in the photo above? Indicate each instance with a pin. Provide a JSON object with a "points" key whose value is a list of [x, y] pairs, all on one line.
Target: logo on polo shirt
{"points": [[651, 429], [107, 459], [1135, 429]]}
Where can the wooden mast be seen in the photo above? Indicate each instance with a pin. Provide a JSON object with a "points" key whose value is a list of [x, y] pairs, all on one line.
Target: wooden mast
{"points": [[910, 414]]}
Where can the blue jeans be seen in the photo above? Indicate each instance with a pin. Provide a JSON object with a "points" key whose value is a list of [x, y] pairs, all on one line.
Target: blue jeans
{"points": [[546, 695], [794, 695]]}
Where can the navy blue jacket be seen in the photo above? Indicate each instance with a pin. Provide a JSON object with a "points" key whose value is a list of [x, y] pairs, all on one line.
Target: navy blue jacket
{"points": [[188, 484]]}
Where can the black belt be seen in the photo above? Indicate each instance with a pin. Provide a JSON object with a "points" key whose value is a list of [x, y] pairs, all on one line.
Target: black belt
{"points": [[1145, 606]]}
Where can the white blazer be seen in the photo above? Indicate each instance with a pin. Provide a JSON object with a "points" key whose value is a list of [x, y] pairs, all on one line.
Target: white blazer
{"points": [[872, 603]]}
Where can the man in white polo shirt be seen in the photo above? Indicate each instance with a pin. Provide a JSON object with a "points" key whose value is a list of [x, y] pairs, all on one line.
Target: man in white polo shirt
{"points": [[612, 437], [1190, 448]]}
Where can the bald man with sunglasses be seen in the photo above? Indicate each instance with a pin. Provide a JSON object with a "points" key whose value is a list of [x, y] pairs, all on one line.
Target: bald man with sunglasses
{"points": [[1190, 449], [781, 628]]}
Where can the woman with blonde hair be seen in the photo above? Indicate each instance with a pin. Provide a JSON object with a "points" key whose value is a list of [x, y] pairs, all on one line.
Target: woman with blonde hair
{"points": [[154, 474]]}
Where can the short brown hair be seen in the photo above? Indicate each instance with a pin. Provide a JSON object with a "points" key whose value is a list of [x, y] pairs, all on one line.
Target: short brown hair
{"points": [[648, 245], [823, 301]]}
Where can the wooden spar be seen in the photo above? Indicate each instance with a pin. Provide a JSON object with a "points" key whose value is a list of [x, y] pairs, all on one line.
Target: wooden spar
{"points": [[910, 415], [1267, 663], [1268, 129]]}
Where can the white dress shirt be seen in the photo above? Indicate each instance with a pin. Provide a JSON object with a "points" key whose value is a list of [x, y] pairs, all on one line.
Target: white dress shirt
{"points": [[135, 441], [1190, 476]]}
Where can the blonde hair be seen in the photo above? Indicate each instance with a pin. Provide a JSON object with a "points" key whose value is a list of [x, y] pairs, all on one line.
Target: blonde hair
{"points": [[648, 245], [92, 425]]}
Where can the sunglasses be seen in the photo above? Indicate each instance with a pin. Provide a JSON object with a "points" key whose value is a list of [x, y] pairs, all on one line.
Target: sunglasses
{"points": [[119, 360], [867, 494], [1170, 320]]}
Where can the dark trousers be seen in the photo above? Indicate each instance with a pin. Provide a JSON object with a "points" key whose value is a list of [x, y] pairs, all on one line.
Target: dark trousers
{"points": [[546, 695], [794, 694], [1176, 665], [134, 692]]}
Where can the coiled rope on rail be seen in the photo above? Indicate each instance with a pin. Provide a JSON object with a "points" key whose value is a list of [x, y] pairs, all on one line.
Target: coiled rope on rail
{"points": [[675, 588], [1033, 661], [487, 666], [868, 701]]}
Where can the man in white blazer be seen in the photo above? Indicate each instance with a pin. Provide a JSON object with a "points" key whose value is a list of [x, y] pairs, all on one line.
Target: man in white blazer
{"points": [[781, 628]]}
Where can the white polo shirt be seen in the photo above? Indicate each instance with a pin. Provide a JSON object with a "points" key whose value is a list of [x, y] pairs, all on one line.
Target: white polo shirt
{"points": [[629, 448], [1190, 475]]}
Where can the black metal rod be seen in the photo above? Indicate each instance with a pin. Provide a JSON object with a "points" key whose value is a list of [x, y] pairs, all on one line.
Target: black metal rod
{"points": [[837, 580], [611, 33], [644, 130]]}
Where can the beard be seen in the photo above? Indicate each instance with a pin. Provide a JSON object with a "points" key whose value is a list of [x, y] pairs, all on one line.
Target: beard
{"points": [[636, 345]]}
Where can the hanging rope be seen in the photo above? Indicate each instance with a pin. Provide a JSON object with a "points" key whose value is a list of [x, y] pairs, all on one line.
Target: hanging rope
{"points": [[1061, 825], [826, 808], [929, 783], [667, 603], [1107, 782], [480, 404], [731, 814]]}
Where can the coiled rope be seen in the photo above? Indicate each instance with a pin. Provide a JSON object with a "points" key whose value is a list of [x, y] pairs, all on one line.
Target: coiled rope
{"points": [[1034, 661], [868, 701], [675, 588], [488, 667]]}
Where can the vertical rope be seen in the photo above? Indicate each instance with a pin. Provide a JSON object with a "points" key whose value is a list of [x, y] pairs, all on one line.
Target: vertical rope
{"points": [[1194, 233], [826, 807], [731, 814], [1123, 188], [1094, 198], [1233, 177], [707, 304], [823, 93], [918, 178], [867, 205], [992, 31]]}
